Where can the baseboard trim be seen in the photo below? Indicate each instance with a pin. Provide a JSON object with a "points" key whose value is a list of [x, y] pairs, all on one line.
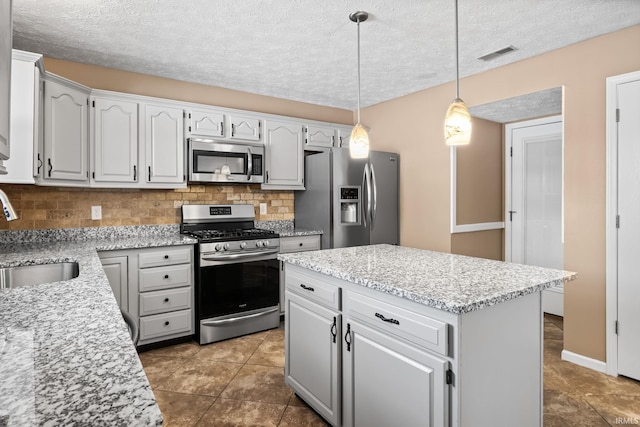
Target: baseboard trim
{"points": [[587, 362]]}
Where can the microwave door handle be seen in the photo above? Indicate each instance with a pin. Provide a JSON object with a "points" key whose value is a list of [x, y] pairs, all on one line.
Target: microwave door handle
{"points": [[249, 163]]}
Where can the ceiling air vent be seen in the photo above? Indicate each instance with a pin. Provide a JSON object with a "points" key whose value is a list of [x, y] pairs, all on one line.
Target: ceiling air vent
{"points": [[496, 53]]}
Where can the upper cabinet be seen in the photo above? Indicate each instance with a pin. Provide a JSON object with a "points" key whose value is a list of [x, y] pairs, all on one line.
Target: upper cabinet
{"points": [[26, 118], [6, 33], [207, 123], [284, 154], [343, 136], [65, 132], [245, 128], [319, 137], [114, 125], [164, 144]]}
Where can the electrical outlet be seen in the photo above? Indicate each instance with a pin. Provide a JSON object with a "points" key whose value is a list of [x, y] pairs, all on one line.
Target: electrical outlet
{"points": [[96, 212], [263, 208]]}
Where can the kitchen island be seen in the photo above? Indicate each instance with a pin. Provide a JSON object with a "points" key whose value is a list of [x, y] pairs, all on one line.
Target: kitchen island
{"points": [[387, 335]]}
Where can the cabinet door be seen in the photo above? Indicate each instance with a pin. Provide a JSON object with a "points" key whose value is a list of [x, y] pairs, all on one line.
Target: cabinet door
{"points": [[115, 140], [245, 128], [344, 134], [206, 123], [312, 365], [116, 270], [388, 382], [5, 77], [164, 144], [320, 136], [65, 132], [284, 154]]}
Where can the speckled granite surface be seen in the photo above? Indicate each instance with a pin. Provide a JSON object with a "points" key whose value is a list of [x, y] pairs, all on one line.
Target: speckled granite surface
{"points": [[448, 282], [286, 228], [69, 341]]}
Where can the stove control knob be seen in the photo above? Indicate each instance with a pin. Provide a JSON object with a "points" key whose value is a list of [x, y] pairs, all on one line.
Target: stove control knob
{"points": [[243, 245], [265, 243], [218, 247], [259, 244], [226, 246]]}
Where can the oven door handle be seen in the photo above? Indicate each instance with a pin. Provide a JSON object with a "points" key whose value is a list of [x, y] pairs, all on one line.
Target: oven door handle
{"points": [[235, 319], [238, 256]]}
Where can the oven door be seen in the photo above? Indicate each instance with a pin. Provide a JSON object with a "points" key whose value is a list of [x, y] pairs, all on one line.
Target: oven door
{"points": [[211, 161], [239, 287]]}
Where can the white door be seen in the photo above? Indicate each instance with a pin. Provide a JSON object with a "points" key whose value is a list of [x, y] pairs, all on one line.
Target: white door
{"points": [[629, 229], [284, 154], [164, 143], [534, 215]]}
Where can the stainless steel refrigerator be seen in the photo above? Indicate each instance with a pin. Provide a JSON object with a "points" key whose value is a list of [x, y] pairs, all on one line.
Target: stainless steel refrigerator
{"points": [[354, 201]]}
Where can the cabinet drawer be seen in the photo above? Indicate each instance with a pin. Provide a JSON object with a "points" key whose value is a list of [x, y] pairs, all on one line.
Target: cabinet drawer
{"points": [[299, 244], [313, 289], [418, 329], [165, 324], [164, 256], [151, 279], [165, 301]]}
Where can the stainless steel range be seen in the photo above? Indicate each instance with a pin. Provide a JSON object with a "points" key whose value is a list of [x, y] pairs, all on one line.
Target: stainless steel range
{"points": [[237, 278]]}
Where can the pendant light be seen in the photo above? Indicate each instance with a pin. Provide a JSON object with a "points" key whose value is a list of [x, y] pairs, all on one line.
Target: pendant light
{"points": [[359, 142], [457, 122]]}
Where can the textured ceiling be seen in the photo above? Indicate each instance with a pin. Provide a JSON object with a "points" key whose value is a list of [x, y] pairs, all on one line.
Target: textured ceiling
{"points": [[538, 104], [305, 49]]}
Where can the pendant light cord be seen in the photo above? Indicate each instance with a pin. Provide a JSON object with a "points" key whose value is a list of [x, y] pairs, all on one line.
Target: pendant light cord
{"points": [[358, 70], [457, 64]]}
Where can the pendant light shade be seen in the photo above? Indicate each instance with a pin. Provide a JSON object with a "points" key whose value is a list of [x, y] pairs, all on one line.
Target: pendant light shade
{"points": [[457, 121], [359, 141]]}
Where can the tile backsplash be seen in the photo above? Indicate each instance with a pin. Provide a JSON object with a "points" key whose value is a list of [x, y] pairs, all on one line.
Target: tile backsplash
{"points": [[40, 207]]}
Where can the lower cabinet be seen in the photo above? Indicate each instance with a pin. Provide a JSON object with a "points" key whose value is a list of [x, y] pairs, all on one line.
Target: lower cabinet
{"points": [[290, 244], [155, 286]]}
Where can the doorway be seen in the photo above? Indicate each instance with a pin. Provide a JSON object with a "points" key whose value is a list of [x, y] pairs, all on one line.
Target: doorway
{"points": [[623, 227], [534, 199]]}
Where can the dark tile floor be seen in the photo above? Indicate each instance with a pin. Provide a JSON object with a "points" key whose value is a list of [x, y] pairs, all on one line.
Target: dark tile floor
{"points": [[240, 382]]}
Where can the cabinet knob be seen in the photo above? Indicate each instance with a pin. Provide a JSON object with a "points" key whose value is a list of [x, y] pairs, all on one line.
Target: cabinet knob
{"points": [[166, 276], [166, 323], [300, 244], [166, 257], [166, 300]]}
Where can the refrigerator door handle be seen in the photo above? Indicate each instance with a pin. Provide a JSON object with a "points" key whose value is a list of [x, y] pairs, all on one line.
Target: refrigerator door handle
{"points": [[374, 210], [366, 187]]}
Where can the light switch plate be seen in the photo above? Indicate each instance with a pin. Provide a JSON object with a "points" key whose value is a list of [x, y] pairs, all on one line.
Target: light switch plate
{"points": [[96, 212], [263, 208]]}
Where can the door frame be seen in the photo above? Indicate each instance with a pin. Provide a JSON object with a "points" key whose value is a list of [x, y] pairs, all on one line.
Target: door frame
{"points": [[611, 279], [508, 131]]}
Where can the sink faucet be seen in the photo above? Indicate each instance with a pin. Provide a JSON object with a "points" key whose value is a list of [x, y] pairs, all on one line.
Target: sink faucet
{"points": [[9, 212]]}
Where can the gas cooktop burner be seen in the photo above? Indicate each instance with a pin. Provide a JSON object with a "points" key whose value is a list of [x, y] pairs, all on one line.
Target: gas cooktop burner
{"points": [[234, 234]]}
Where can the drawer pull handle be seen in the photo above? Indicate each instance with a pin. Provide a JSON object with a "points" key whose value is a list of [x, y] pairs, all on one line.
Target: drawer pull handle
{"points": [[166, 257], [307, 288], [166, 276], [347, 337], [166, 300], [334, 329], [384, 319], [166, 323]]}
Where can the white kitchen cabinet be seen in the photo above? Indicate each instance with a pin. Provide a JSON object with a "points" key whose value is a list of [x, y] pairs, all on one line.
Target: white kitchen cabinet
{"points": [[65, 133], [245, 128], [206, 123], [116, 269], [284, 156], [164, 144], [390, 382], [155, 286], [319, 137], [6, 37], [343, 136], [290, 244], [114, 131], [26, 118], [313, 364]]}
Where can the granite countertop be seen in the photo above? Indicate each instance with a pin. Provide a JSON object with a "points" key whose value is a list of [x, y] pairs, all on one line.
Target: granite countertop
{"points": [[66, 356], [454, 283], [287, 228]]}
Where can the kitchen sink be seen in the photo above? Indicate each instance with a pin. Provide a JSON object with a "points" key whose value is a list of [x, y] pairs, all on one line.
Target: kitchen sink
{"points": [[15, 277]]}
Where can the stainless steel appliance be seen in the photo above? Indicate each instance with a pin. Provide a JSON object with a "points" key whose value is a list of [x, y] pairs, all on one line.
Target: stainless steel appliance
{"points": [[215, 161], [236, 270], [354, 201]]}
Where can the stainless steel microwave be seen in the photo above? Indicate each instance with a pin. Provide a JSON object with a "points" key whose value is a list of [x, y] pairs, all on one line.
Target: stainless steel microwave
{"points": [[215, 161]]}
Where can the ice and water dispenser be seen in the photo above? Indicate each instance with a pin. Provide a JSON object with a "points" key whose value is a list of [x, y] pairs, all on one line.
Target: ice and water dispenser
{"points": [[350, 205]]}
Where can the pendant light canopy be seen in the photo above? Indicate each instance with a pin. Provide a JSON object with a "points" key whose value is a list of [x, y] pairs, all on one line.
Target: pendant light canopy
{"points": [[457, 122], [359, 142]]}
